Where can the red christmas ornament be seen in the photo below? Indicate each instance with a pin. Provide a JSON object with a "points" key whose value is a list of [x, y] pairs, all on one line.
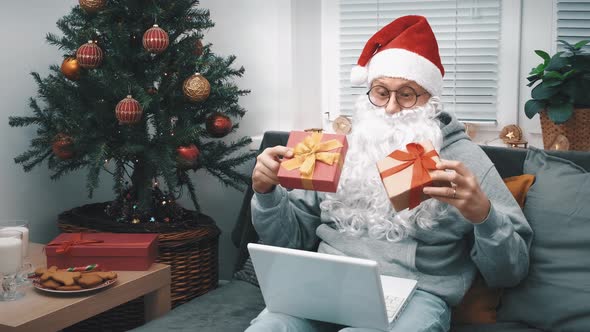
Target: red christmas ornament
{"points": [[188, 153], [128, 111], [62, 146], [155, 40], [198, 48], [89, 55], [218, 125]]}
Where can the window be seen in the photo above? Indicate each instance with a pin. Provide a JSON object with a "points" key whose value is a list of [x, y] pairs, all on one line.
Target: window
{"points": [[468, 34], [573, 21]]}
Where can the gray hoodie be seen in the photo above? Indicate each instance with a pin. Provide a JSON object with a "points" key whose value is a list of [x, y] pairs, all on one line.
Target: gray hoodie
{"points": [[444, 259]]}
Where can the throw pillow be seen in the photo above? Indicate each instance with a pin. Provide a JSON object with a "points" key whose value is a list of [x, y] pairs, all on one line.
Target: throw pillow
{"points": [[519, 186], [247, 273], [556, 292], [480, 302]]}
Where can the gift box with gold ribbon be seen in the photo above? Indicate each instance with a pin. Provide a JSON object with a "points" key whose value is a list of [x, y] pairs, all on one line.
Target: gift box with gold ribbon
{"points": [[316, 163], [112, 251], [406, 172]]}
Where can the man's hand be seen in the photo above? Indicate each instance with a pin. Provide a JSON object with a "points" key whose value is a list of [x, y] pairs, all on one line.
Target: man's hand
{"points": [[465, 194], [264, 175]]}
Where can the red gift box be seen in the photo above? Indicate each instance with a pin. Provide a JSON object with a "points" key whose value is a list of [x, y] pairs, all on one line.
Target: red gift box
{"points": [[112, 251], [406, 173], [317, 161]]}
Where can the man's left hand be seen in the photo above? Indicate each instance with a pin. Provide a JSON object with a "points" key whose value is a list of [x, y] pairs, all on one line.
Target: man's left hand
{"points": [[465, 194]]}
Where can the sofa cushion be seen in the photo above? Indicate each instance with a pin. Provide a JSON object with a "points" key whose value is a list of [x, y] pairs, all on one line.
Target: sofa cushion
{"points": [[230, 308], [247, 273], [556, 293]]}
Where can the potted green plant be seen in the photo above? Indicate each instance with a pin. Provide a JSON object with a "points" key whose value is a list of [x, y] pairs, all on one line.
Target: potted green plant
{"points": [[562, 98]]}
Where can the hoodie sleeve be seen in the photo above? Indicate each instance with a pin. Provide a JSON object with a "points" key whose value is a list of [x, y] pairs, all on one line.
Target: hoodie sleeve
{"points": [[502, 241], [287, 218]]}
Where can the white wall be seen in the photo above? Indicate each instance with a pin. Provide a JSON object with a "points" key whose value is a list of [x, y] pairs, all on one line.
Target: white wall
{"points": [[32, 196]]}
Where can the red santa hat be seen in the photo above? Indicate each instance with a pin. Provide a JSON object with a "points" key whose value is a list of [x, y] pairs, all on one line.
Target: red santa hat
{"points": [[405, 48]]}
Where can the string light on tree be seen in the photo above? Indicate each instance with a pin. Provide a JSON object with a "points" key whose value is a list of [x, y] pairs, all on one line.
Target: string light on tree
{"points": [[62, 146], [196, 88], [128, 111], [89, 55], [92, 6], [218, 125], [70, 68], [155, 40]]}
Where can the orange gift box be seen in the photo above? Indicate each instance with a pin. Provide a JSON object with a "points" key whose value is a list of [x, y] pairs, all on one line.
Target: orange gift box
{"points": [[406, 172], [316, 163]]}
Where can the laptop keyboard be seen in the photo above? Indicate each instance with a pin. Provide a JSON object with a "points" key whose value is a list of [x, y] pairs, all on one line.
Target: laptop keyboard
{"points": [[392, 304]]}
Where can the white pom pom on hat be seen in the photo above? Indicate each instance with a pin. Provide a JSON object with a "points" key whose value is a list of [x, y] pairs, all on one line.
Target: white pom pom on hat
{"points": [[358, 75], [405, 48]]}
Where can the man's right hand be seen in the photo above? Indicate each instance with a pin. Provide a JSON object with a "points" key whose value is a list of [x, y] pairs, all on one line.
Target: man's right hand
{"points": [[264, 176]]}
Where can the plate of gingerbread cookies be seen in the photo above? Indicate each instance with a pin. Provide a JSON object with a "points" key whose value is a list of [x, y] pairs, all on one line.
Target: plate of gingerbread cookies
{"points": [[54, 280]]}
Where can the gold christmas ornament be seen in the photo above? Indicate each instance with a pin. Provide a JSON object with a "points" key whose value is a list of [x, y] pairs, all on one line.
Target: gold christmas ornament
{"points": [[196, 88], [342, 125], [92, 6], [71, 68]]}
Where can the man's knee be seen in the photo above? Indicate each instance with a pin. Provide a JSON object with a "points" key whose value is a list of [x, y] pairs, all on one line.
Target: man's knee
{"points": [[278, 322]]}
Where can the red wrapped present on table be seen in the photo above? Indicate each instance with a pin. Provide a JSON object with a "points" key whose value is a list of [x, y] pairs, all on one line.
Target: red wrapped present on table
{"points": [[112, 251], [406, 173], [316, 163]]}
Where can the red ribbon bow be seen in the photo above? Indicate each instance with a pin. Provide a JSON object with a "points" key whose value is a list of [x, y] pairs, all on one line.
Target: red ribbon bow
{"points": [[64, 246], [422, 163]]}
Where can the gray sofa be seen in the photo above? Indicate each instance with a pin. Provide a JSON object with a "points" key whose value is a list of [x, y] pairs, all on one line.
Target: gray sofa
{"points": [[558, 208]]}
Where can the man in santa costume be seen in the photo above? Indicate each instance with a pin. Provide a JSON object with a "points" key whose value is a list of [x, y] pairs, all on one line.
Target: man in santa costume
{"points": [[474, 224]]}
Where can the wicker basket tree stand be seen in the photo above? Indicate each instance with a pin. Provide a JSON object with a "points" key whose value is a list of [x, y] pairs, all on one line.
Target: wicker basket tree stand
{"points": [[190, 247], [576, 130]]}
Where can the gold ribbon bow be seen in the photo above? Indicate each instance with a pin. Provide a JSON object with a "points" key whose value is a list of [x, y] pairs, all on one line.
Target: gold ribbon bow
{"points": [[307, 152]]}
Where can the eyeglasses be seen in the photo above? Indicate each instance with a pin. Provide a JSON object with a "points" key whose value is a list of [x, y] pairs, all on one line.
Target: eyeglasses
{"points": [[406, 96]]}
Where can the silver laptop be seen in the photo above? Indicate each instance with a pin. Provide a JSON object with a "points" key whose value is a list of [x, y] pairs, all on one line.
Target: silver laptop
{"points": [[337, 289]]}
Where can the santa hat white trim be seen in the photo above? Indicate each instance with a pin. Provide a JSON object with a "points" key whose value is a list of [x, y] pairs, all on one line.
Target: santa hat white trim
{"points": [[404, 64]]}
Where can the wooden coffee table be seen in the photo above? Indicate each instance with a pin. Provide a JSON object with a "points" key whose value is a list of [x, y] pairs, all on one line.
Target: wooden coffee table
{"points": [[41, 311]]}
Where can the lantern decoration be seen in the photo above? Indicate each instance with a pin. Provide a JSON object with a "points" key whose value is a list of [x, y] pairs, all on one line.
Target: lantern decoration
{"points": [[128, 111], [155, 40], [62, 146], [71, 68], [92, 6], [89, 55], [196, 88], [218, 125], [187, 155], [198, 48]]}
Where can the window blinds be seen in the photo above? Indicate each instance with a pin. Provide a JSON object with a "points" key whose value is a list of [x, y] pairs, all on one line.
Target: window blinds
{"points": [[573, 21], [468, 34]]}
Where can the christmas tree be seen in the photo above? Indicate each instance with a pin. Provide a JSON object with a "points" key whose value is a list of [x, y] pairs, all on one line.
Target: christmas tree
{"points": [[138, 95]]}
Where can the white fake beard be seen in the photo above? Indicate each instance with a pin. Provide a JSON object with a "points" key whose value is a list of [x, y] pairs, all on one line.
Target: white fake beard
{"points": [[361, 203]]}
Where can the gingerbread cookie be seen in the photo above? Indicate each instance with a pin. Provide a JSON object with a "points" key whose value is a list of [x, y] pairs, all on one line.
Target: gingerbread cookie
{"points": [[50, 283], [89, 280], [69, 288]]}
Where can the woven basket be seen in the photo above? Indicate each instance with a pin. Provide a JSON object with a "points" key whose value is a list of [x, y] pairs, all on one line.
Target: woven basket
{"points": [[192, 254], [576, 129]]}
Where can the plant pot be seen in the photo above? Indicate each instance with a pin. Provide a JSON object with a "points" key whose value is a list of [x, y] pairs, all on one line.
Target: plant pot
{"points": [[576, 129], [189, 246]]}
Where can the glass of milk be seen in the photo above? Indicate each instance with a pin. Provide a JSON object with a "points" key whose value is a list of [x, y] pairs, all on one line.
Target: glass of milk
{"points": [[11, 261], [27, 267]]}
